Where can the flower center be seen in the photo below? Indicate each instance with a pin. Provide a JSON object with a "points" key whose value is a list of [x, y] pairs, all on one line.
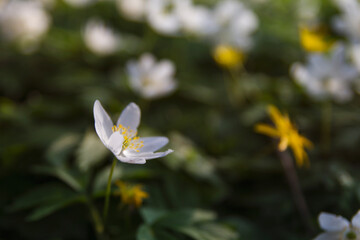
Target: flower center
{"points": [[131, 141], [350, 235], [168, 8]]}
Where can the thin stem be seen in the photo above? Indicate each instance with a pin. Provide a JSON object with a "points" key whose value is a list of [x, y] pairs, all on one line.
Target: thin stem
{"points": [[99, 226], [108, 188], [234, 87], [326, 125], [292, 178]]}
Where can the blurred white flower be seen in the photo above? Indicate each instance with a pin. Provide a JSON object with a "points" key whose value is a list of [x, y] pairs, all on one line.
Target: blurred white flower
{"points": [[235, 24], [121, 139], [48, 4], [78, 3], [339, 228], [327, 77], [163, 16], [132, 9], [196, 20], [355, 55], [3, 3], [349, 22], [151, 79], [99, 38], [24, 22]]}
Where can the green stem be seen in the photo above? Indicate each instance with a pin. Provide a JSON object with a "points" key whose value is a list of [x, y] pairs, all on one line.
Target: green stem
{"points": [[293, 181], [108, 188], [234, 88], [99, 226], [326, 125]]}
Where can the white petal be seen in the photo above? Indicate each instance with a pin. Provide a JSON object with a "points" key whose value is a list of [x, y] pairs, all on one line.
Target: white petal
{"points": [[300, 74], [133, 160], [116, 142], [332, 223], [147, 155], [355, 54], [162, 21], [103, 123], [99, 38], [146, 62], [130, 117], [152, 144], [245, 23], [134, 9], [163, 70], [319, 66], [329, 236], [338, 55], [355, 221]]}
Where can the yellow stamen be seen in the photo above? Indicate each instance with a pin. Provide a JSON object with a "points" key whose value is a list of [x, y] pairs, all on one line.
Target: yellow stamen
{"points": [[228, 56], [131, 141], [315, 40]]}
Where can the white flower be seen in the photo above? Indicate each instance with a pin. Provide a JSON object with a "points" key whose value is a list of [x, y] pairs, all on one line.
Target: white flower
{"points": [[339, 228], [325, 78], [24, 22], [196, 20], [355, 55], [236, 23], [132, 9], [121, 139], [151, 79], [99, 38], [349, 22], [162, 15]]}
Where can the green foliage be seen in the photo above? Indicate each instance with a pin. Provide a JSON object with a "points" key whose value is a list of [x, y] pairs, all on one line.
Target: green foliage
{"points": [[196, 223], [223, 181]]}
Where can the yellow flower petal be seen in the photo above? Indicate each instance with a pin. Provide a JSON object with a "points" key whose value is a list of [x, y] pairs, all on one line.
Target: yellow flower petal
{"points": [[306, 142], [228, 56], [288, 134], [131, 195], [282, 122], [283, 144], [314, 40], [266, 130]]}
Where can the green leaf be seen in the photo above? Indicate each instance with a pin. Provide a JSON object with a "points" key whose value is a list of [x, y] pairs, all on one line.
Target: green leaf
{"points": [[41, 195], [61, 173], [90, 152], [185, 218], [59, 150], [245, 228], [48, 209], [162, 234], [209, 231], [151, 215], [145, 233]]}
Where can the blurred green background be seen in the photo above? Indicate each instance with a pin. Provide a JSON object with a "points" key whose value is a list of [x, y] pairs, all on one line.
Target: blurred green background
{"points": [[223, 182]]}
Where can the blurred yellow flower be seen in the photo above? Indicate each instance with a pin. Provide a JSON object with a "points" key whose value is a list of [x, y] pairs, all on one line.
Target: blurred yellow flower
{"points": [[287, 134], [131, 195], [314, 40], [228, 56]]}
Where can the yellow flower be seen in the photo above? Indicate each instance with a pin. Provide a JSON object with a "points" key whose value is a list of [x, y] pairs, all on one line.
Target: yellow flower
{"points": [[314, 40], [228, 56], [287, 134], [131, 195]]}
